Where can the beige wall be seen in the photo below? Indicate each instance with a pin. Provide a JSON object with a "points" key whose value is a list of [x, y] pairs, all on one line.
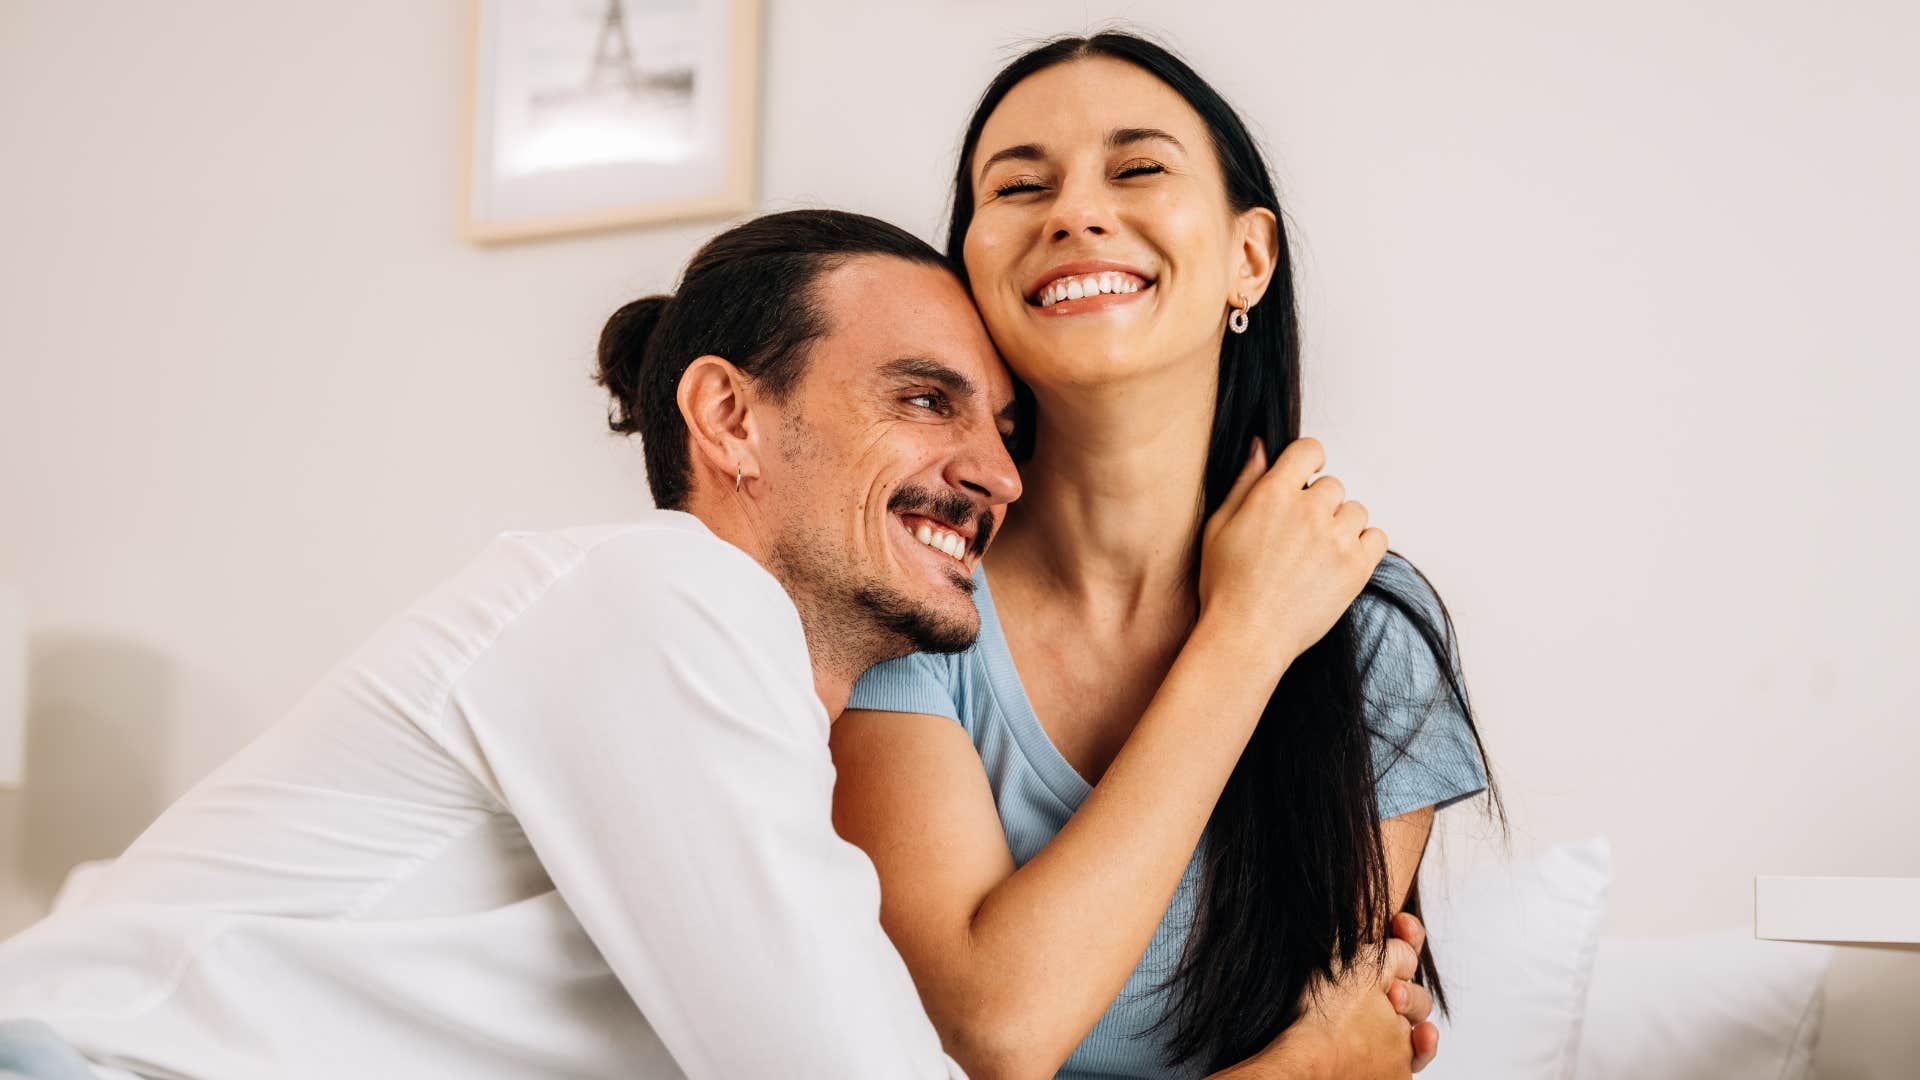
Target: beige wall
{"points": [[1607, 312]]}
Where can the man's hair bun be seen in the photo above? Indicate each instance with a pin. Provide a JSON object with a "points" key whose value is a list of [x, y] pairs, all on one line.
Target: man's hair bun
{"points": [[623, 351]]}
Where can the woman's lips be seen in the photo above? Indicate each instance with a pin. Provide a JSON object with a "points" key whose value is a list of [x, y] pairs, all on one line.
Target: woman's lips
{"points": [[1088, 277], [1088, 305], [1086, 286]]}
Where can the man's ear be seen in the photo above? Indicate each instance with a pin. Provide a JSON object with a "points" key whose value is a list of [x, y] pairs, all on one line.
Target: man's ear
{"points": [[715, 400], [1259, 252]]}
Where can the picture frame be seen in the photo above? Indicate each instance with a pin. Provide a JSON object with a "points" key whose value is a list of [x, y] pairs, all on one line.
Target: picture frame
{"points": [[589, 115]]}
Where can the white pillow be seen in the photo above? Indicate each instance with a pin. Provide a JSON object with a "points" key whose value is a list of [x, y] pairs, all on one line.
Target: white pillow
{"points": [[1705, 1006], [1515, 944]]}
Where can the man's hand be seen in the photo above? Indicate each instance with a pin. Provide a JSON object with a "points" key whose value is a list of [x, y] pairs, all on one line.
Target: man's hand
{"points": [[1368, 1024]]}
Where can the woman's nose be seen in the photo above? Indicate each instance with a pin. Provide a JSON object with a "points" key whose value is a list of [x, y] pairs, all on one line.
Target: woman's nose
{"points": [[1080, 209], [1091, 229]]}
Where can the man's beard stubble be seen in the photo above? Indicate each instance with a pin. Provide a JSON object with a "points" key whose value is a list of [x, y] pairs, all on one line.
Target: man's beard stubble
{"points": [[890, 607], [860, 623]]}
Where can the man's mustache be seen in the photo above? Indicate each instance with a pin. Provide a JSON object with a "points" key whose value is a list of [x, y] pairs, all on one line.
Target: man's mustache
{"points": [[949, 508]]}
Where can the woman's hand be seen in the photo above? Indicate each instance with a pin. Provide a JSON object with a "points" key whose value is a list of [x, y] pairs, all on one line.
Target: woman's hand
{"points": [[1282, 559]]}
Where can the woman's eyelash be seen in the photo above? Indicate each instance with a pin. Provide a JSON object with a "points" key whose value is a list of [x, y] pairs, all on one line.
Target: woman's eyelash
{"points": [[1017, 187], [1127, 172]]}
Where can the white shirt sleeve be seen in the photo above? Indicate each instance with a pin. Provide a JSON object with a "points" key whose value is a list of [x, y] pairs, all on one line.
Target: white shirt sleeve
{"points": [[651, 721]]}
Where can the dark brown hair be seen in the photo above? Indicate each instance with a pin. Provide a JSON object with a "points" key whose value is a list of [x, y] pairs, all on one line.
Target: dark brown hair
{"points": [[750, 295]]}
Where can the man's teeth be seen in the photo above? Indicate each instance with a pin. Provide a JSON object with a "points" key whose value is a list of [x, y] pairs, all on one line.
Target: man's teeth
{"points": [[1084, 285], [941, 540]]}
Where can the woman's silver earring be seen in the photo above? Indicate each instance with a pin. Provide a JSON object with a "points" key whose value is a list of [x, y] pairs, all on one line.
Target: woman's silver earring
{"points": [[1237, 322], [737, 473]]}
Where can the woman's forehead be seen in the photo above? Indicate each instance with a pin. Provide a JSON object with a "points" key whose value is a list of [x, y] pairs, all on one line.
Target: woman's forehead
{"points": [[1086, 99]]}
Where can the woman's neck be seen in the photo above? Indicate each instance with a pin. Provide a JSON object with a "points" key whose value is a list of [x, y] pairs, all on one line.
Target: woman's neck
{"points": [[1110, 518]]}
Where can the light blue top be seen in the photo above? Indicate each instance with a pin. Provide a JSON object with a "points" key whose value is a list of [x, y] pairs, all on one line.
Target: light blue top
{"points": [[1037, 790]]}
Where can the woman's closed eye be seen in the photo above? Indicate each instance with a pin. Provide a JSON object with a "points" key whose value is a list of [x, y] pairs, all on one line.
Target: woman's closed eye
{"points": [[1139, 168], [1024, 185], [1019, 185]]}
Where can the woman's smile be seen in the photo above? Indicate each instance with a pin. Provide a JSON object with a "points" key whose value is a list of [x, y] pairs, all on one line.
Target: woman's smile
{"points": [[1086, 285]]}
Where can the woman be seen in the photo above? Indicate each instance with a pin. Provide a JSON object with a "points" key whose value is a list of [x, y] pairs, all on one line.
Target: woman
{"points": [[1178, 831]]}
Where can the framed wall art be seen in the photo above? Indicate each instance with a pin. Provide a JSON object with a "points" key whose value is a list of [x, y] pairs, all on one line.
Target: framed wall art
{"points": [[598, 114]]}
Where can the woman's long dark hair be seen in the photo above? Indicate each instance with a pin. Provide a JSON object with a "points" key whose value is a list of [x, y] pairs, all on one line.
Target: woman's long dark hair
{"points": [[1295, 873]]}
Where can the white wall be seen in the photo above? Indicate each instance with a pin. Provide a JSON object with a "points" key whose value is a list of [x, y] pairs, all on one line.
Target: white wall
{"points": [[1607, 323]]}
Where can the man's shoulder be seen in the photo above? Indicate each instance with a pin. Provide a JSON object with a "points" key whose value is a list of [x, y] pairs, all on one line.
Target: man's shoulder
{"points": [[656, 565], [665, 553], [660, 560], [664, 528]]}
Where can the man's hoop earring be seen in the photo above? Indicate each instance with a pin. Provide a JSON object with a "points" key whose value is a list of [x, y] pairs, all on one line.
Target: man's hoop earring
{"points": [[736, 478], [1237, 322]]}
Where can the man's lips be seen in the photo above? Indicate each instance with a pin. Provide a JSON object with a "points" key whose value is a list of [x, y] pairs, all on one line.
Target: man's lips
{"points": [[943, 539], [946, 522], [964, 531], [954, 542]]}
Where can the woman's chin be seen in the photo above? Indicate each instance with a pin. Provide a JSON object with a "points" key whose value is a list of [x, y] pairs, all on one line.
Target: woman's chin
{"points": [[1081, 369]]}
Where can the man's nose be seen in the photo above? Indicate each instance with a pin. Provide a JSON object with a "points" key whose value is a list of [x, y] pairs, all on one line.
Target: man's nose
{"points": [[986, 470]]}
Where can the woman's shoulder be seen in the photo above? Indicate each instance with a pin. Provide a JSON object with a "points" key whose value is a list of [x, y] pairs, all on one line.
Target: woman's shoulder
{"points": [[1397, 575], [938, 684], [1398, 601], [919, 667], [919, 682], [1404, 637], [1425, 749]]}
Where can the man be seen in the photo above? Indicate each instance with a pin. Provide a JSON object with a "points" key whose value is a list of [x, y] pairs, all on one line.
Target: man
{"points": [[569, 815]]}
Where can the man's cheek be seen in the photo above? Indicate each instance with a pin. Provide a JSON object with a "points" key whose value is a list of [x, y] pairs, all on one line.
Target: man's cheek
{"points": [[878, 438]]}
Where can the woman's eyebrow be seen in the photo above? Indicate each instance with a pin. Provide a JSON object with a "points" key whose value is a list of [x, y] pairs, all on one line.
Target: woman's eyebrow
{"points": [[1023, 152], [1120, 137], [1116, 139]]}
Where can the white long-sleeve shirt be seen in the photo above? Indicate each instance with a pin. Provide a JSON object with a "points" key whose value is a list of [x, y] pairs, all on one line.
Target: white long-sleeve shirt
{"points": [[567, 816]]}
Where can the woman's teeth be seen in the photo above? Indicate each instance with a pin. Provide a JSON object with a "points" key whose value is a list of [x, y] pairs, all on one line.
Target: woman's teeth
{"points": [[941, 540], [1084, 285]]}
